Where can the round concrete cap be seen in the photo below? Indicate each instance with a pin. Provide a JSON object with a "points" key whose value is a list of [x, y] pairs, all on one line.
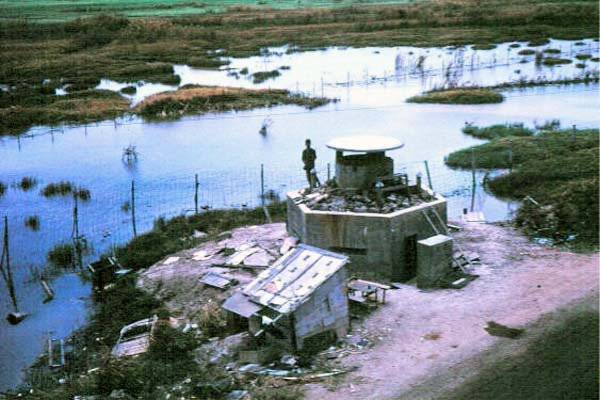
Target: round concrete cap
{"points": [[365, 144]]}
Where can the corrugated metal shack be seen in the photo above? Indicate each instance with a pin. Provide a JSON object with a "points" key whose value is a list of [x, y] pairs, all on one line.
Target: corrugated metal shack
{"points": [[301, 297]]}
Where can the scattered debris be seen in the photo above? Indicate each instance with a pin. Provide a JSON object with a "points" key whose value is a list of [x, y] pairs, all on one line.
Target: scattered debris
{"points": [[360, 291], [496, 329], [56, 354], [170, 260], [382, 200], [217, 280], [237, 395], [135, 338]]}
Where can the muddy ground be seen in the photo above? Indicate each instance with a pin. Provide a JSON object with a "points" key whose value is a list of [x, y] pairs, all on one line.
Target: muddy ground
{"points": [[422, 343], [432, 341]]}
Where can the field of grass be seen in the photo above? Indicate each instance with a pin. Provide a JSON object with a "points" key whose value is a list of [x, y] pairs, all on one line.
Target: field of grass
{"points": [[59, 11], [35, 58], [193, 99], [558, 169], [459, 96], [561, 364]]}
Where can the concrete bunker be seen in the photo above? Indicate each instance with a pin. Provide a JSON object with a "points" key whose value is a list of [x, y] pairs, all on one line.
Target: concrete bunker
{"points": [[300, 297], [375, 216]]}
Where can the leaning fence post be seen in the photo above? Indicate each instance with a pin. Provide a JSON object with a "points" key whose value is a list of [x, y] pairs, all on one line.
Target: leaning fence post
{"points": [[76, 238], [133, 208], [197, 184], [428, 174], [262, 184]]}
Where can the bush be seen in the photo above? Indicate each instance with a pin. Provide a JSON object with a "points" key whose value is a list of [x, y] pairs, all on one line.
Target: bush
{"points": [[62, 255], [2, 189], [62, 188], [27, 183], [33, 222]]}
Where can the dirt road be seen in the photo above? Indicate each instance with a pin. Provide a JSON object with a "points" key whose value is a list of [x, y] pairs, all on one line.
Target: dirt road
{"points": [[423, 334]]}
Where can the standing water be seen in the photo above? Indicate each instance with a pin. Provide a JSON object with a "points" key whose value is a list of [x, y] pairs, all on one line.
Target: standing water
{"points": [[226, 151]]}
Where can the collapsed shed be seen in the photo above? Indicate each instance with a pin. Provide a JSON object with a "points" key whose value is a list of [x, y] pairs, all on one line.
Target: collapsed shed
{"points": [[299, 299]]}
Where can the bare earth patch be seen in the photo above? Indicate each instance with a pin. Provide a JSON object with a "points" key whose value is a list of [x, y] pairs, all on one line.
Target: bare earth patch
{"points": [[519, 283]]}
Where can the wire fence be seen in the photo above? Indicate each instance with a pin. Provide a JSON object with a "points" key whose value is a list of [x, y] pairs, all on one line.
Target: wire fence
{"points": [[118, 211]]}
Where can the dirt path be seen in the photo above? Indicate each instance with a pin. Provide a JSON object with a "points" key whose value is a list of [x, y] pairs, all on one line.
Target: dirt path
{"points": [[424, 334]]}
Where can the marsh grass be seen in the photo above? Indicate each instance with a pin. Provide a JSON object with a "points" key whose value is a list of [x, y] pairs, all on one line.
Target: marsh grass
{"points": [[557, 168], [62, 188], [497, 131], [260, 77], [526, 52], [62, 255], [551, 61], [27, 183], [33, 222], [459, 96], [129, 90], [2, 188], [80, 52], [193, 99]]}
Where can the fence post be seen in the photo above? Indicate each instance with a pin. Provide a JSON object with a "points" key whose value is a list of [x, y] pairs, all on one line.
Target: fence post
{"points": [[328, 171], [7, 274], [510, 156], [133, 208], [76, 238], [428, 174], [262, 184], [196, 185], [474, 180]]}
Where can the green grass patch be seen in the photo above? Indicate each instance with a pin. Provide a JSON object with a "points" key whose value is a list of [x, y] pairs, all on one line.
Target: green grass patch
{"points": [[583, 56], [551, 61], [561, 364], [526, 52], [514, 45], [459, 96], [484, 46], [259, 77], [558, 169], [497, 131], [129, 90], [538, 42], [552, 51], [176, 234]]}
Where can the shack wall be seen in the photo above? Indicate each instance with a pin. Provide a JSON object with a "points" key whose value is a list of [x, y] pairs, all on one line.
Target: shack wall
{"points": [[326, 310]]}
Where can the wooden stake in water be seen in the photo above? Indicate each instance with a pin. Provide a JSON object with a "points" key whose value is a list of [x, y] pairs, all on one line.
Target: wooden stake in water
{"points": [[133, 208], [5, 267], [428, 174], [196, 185], [262, 184], [474, 180]]}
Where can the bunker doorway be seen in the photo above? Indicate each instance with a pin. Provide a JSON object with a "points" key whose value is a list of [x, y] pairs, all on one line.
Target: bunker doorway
{"points": [[410, 256]]}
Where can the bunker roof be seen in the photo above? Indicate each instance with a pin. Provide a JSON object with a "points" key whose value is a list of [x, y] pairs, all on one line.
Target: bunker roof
{"points": [[289, 282], [365, 143]]}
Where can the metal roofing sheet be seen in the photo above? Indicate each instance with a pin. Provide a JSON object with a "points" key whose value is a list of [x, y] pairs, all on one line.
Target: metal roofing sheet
{"points": [[241, 305], [294, 277]]}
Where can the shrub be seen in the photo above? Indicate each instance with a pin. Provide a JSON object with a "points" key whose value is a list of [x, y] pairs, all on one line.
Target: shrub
{"points": [[497, 131], [27, 183], [2, 189], [62, 255], [526, 52], [62, 188], [33, 222], [259, 77]]}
